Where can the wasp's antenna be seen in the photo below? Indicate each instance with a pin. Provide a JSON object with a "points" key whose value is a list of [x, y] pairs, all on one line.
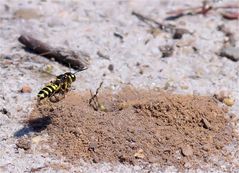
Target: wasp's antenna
{"points": [[69, 65], [80, 70], [77, 71]]}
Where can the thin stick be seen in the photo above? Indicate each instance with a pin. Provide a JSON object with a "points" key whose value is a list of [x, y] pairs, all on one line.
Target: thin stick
{"points": [[147, 20], [77, 60], [205, 8], [94, 98], [164, 27]]}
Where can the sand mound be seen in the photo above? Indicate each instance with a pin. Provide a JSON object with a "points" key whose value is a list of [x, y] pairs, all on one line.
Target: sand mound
{"points": [[139, 127]]}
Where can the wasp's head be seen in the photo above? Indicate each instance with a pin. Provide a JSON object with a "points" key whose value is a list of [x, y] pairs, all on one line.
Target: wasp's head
{"points": [[70, 76]]}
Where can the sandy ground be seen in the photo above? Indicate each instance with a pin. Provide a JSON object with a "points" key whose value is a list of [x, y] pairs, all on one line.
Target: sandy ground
{"points": [[89, 26]]}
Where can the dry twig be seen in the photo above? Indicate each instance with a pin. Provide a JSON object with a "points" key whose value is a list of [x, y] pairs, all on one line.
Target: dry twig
{"points": [[76, 60], [119, 36], [94, 102], [203, 9], [148, 20], [230, 15], [164, 27]]}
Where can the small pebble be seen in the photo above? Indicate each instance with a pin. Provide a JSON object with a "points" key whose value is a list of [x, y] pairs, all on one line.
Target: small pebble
{"points": [[7, 57], [102, 108], [23, 144], [166, 51], [187, 150], [206, 123], [4, 110], [155, 32], [179, 32], [111, 67], [206, 147], [187, 165], [141, 71], [103, 55], [139, 154], [222, 94], [92, 146], [26, 89], [228, 101]]}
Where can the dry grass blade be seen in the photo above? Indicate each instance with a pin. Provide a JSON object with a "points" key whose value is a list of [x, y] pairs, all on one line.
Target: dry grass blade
{"points": [[94, 102]]}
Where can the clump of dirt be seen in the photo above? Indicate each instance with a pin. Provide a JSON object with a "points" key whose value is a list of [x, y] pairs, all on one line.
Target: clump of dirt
{"points": [[23, 143], [139, 126]]}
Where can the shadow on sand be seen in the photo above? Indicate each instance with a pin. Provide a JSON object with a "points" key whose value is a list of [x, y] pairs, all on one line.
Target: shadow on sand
{"points": [[34, 125]]}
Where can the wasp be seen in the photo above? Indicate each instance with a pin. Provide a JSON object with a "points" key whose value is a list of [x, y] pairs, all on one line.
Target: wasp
{"points": [[60, 85]]}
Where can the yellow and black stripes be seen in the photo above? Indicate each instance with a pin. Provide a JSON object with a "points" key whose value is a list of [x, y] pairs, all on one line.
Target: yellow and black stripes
{"points": [[48, 91], [61, 84]]}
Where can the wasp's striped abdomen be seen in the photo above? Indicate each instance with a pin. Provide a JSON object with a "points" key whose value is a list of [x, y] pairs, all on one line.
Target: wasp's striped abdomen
{"points": [[60, 85], [48, 91]]}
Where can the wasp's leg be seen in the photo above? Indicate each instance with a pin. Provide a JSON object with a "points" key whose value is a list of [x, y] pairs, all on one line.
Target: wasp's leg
{"points": [[57, 97], [63, 91], [39, 102], [49, 103], [63, 94], [54, 98], [65, 88]]}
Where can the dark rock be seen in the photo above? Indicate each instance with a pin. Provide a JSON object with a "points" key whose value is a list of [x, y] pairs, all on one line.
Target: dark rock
{"points": [[231, 53], [179, 32], [166, 50], [4, 110], [111, 67]]}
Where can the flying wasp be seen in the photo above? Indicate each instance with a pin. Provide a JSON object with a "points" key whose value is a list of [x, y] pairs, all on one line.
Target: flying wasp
{"points": [[60, 85]]}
